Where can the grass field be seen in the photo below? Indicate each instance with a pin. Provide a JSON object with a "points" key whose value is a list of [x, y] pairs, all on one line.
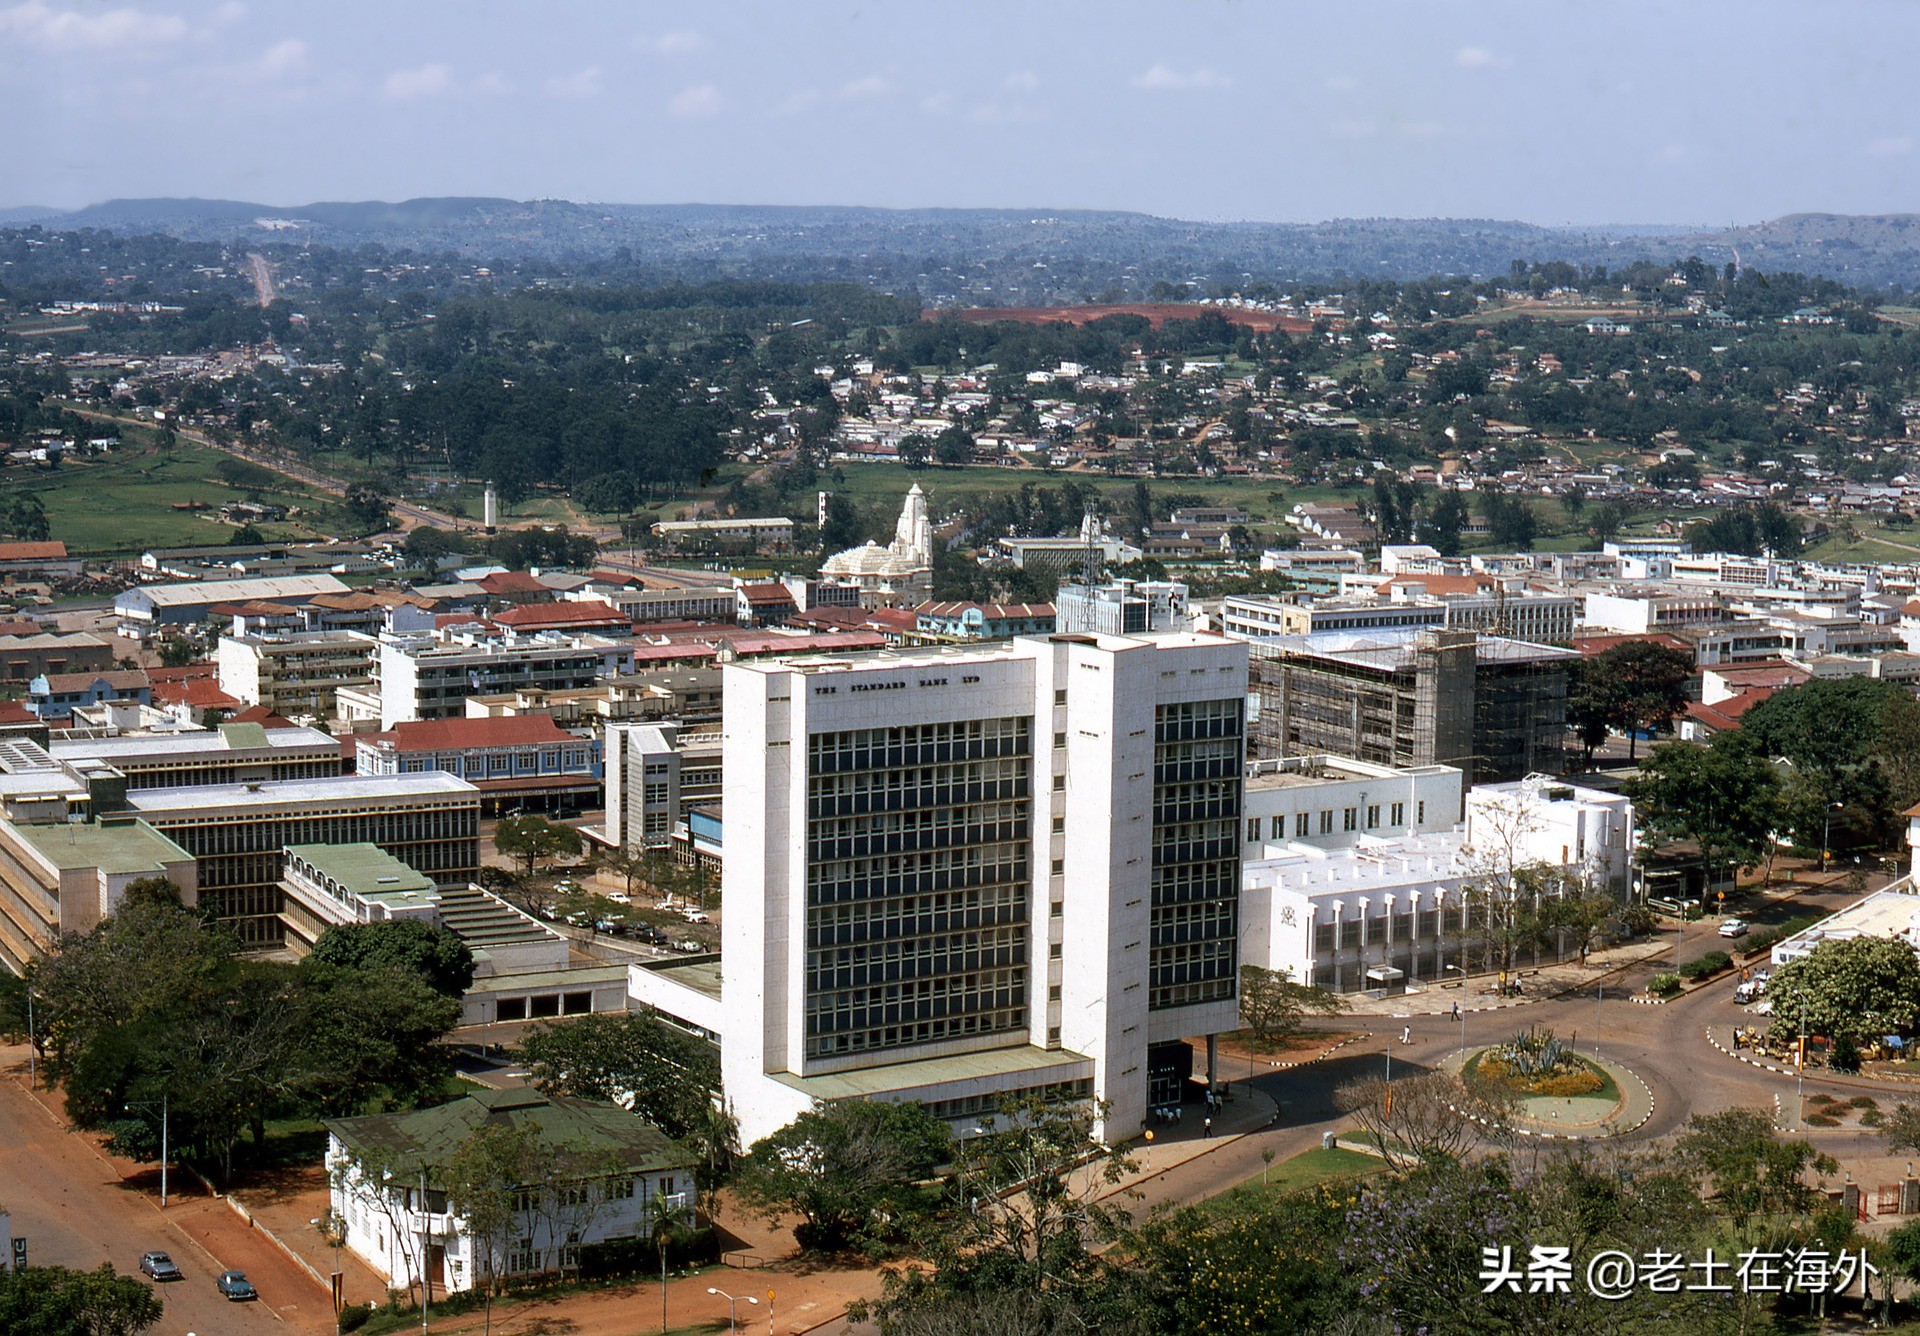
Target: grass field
{"points": [[123, 502], [1313, 1167]]}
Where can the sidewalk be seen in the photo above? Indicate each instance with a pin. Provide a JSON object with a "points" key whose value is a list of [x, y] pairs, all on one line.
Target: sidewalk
{"points": [[1477, 991]]}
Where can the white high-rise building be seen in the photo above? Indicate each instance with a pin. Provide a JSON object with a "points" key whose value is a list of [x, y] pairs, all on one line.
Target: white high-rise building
{"points": [[954, 875]]}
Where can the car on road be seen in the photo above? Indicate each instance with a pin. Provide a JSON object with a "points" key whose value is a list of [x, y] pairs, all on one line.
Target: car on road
{"points": [[236, 1286], [1734, 927], [159, 1266], [1748, 990]]}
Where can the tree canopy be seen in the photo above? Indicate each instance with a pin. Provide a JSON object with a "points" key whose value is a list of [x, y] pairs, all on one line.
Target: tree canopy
{"points": [[671, 1077], [408, 945], [857, 1172], [1860, 988]]}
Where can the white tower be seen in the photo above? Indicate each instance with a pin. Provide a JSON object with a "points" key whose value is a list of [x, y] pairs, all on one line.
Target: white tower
{"points": [[491, 508]]}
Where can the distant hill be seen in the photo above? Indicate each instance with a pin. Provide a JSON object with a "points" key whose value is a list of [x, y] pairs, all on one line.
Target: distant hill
{"points": [[1039, 255]]}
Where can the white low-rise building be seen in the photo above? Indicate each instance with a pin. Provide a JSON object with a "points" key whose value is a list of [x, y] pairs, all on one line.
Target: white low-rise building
{"points": [[388, 1186], [1408, 910]]}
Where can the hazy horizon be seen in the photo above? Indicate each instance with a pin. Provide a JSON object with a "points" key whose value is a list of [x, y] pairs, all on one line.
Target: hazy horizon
{"points": [[1203, 110]]}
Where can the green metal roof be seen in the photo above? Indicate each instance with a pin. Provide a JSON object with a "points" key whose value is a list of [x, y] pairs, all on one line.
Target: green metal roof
{"points": [[368, 871], [115, 845], [429, 1137]]}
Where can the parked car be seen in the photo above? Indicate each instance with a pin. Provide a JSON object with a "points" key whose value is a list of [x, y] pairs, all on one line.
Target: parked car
{"points": [[697, 916], [236, 1286], [159, 1266], [1748, 991], [1734, 927]]}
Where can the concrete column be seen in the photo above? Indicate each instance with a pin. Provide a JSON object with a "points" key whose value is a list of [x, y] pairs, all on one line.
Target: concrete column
{"points": [[1213, 1061]]}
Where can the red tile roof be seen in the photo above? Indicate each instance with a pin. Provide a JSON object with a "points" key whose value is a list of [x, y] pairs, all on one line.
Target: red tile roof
{"points": [[32, 551], [261, 715], [11, 628], [16, 712], [202, 693], [562, 614], [512, 582], [1592, 645], [518, 730], [766, 593]]}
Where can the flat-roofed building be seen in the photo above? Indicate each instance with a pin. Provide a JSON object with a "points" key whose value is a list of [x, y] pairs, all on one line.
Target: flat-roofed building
{"points": [[970, 873], [430, 678], [297, 674], [1334, 802], [65, 876], [230, 754], [238, 833], [774, 534], [1495, 708]]}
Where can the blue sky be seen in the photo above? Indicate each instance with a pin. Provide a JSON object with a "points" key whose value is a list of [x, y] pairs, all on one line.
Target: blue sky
{"points": [[1699, 111]]}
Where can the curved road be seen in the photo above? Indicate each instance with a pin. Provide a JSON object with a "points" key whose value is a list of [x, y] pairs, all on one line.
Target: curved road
{"points": [[1665, 1045]]}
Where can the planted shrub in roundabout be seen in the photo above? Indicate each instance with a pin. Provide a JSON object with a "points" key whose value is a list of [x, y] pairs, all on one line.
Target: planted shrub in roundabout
{"points": [[1536, 1062]]}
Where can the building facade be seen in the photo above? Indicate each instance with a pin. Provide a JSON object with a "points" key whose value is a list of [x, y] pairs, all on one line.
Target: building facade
{"points": [[295, 675], [237, 833], [977, 873], [1494, 708]]}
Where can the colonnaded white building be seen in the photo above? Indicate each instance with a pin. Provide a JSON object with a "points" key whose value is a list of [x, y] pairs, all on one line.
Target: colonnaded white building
{"points": [[1397, 910], [956, 875]]}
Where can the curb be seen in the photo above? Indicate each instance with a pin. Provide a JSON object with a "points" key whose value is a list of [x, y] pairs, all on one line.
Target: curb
{"points": [[1577, 1136], [1641, 999], [1751, 1062], [1289, 1066]]}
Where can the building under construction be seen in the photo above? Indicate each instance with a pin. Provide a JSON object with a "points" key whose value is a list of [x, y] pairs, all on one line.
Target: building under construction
{"points": [[1496, 708]]}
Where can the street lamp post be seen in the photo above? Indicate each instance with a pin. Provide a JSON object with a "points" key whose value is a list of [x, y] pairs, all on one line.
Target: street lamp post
{"points": [[732, 1301], [148, 1105], [1826, 833]]}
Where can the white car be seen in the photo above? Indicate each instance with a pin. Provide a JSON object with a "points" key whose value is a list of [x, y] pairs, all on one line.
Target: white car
{"points": [[1734, 928]]}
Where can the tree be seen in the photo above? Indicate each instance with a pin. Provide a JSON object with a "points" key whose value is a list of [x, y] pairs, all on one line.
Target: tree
{"points": [[1446, 522], [1724, 797], [483, 1177], [1272, 1004], [1032, 1193], [1430, 1117], [1861, 988], [1647, 683], [1751, 1170], [855, 1172], [954, 445], [671, 1077], [58, 1301], [663, 1220], [1901, 1127], [1592, 704], [915, 450], [412, 946], [1828, 724], [532, 838], [424, 547]]}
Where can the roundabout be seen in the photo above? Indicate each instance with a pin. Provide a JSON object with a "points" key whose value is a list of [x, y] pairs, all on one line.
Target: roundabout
{"points": [[1556, 1092]]}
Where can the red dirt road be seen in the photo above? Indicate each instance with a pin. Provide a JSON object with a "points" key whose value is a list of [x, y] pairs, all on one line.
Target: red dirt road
{"points": [[77, 1206]]}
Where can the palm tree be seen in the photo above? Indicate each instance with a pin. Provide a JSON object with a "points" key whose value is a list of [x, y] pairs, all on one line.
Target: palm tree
{"points": [[663, 1217], [715, 1140]]}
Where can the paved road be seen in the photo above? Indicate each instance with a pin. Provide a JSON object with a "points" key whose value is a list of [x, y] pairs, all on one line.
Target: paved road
{"points": [[75, 1208]]}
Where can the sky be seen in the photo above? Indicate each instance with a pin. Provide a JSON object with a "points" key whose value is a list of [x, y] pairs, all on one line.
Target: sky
{"points": [[1699, 112]]}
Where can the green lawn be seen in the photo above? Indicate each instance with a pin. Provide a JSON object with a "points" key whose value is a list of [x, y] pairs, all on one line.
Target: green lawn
{"points": [[123, 502], [1313, 1167]]}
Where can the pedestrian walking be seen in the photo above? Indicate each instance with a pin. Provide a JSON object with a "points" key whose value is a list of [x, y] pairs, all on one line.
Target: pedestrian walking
{"points": [[1406, 1034], [1206, 1128], [1456, 1011]]}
